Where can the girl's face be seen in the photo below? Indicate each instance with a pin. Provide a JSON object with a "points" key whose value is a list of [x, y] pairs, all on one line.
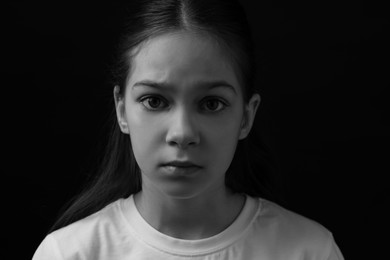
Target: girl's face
{"points": [[183, 103]]}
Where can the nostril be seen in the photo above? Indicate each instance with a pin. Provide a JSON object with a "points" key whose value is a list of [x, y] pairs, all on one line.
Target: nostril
{"points": [[182, 139], [182, 142]]}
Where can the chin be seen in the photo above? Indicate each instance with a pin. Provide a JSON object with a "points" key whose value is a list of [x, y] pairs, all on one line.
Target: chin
{"points": [[186, 192], [181, 193]]}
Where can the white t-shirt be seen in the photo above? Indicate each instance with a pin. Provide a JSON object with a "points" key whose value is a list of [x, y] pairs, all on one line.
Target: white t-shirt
{"points": [[263, 230]]}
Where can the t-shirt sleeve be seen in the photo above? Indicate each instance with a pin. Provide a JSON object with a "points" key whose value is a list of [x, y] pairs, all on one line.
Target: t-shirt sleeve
{"points": [[48, 250], [334, 251]]}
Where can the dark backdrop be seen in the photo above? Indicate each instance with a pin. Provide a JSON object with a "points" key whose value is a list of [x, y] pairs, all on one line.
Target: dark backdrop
{"points": [[324, 112]]}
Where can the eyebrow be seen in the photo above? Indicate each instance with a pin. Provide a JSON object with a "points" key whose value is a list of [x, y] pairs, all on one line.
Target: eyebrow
{"points": [[208, 84]]}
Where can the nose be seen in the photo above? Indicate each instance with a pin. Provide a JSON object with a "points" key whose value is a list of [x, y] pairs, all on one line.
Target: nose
{"points": [[182, 130]]}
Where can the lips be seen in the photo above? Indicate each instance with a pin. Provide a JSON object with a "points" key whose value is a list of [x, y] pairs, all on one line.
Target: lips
{"points": [[180, 168], [181, 164]]}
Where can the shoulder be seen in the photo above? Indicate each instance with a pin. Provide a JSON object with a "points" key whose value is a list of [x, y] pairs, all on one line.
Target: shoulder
{"points": [[290, 221], [85, 236], [105, 220], [293, 232]]}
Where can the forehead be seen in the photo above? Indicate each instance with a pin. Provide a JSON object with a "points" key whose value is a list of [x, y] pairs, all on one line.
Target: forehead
{"points": [[182, 59]]}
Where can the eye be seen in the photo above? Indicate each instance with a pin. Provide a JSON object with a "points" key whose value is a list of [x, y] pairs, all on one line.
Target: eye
{"points": [[214, 105], [153, 102]]}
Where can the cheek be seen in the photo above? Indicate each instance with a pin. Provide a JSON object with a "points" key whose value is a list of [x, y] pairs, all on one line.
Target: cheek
{"points": [[144, 134], [222, 138]]}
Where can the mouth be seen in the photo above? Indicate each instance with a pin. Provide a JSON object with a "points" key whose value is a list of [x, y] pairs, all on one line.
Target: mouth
{"points": [[180, 168], [180, 164]]}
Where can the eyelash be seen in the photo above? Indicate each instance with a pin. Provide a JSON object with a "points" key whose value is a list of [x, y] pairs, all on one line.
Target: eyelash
{"points": [[144, 99]]}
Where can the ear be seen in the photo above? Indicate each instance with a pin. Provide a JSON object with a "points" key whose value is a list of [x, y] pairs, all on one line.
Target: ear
{"points": [[120, 111], [249, 115]]}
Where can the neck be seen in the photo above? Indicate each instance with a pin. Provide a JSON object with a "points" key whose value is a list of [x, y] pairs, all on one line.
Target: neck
{"points": [[193, 218]]}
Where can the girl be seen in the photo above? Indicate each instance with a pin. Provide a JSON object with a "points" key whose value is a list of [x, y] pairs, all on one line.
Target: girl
{"points": [[183, 178]]}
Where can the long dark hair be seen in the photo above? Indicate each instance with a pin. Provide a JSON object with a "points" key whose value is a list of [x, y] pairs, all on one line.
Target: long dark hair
{"points": [[119, 176]]}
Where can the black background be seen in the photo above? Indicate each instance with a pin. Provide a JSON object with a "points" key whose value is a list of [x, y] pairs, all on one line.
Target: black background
{"points": [[324, 112]]}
